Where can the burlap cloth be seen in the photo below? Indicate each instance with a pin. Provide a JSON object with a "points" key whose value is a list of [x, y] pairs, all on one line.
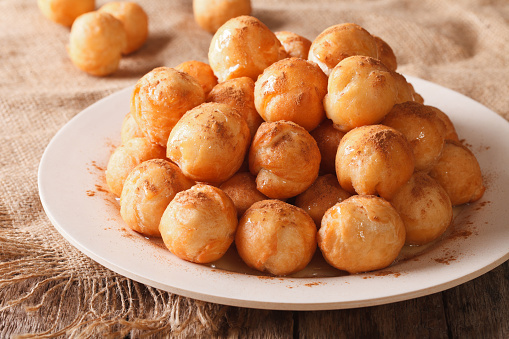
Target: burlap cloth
{"points": [[49, 287]]}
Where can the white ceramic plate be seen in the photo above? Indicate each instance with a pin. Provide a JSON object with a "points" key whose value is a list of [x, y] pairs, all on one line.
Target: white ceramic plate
{"points": [[74, 196]]}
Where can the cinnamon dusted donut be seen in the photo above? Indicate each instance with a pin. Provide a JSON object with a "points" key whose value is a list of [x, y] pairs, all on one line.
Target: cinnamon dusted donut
{"points": [[361, 91], [339, 42], [126, 157], [327, 138], [64, 12], [374, 159], [422, 128], [417, 97], [292, 89], [241, 188], [209, 143], [199, 224], [459, 173], [296, 46], [160, 98], [129, 129], [405, 90], [285, 159], [135, 22], [96, 43], [212, 14], [200, 71], [239, 93], [362, 233], [324, 193], [147, 191], [450, 130], [424, 207], [386, 54], [276, 237], [243, 47]]}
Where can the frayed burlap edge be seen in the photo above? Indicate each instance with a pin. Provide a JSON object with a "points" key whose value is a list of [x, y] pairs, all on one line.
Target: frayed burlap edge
{"points": [[84, 306]]}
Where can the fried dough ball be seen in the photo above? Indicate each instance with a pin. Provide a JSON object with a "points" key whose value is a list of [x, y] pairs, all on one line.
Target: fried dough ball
{"points": [[200, 71], [241, 188], [212, 14], [296, 46], [424, 207], [126, 157], [339, 42], [276, 237], [64, 12], [386, 54], [96, 43], [147, 191], [135, 22], [405, 90], [324, 193], [422, 128], [199, 224], [160, 98], [239, 93], [374, 159], [285, 159], [243, 47], [327, 138], [417, 97], [292, 89], [450, 130], [129, 129], [362, 233], [459, 173], [209, 143], [361, 91]]}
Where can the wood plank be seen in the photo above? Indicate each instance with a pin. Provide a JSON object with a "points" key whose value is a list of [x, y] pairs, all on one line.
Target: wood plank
{"points": [[480, 308], [421, 317]]}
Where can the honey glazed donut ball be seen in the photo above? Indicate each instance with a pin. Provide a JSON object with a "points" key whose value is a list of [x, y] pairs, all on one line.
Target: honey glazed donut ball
{"points": [[327, 138], [199, 224], [459, 173], [296, 46], [209, 143], [361, 91], [96, 43], [386, 54], [239, 93], [243, 47], [135, 22], [126, 157], [212, 14], [324, 193], [450, 130], [374, 159], [360, 234], [276, 237], [422, 128], [339, 42], [405, 90], [285, 159], [424, 207], [64, 12], [147, 191], [292, 89], [160, 98], [241, 188], [129, 129], [201, 71]]}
